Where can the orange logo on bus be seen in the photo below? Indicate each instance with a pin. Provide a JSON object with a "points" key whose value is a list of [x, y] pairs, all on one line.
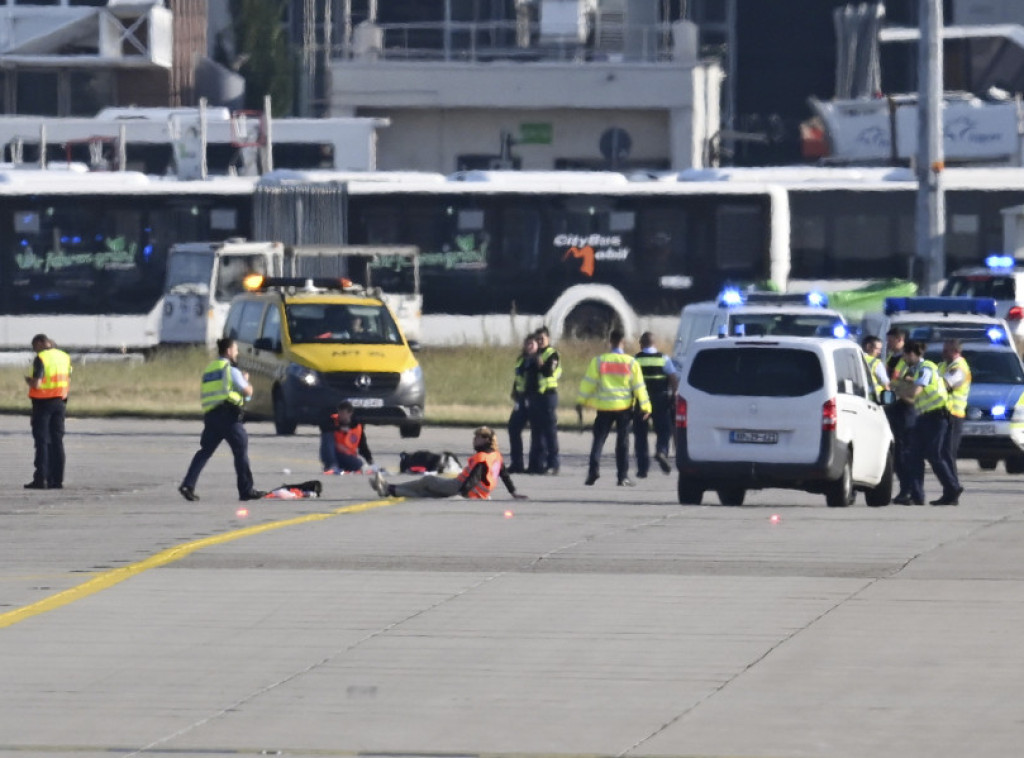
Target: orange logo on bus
{"points": [[586, 254]]}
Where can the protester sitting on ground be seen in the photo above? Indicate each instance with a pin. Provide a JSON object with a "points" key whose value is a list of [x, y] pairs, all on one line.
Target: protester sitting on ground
{"points": [[343, 441], [476, 481]]}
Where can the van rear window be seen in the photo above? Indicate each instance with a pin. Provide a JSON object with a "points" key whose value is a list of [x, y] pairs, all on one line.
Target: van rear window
{"points": [[756, 372]]}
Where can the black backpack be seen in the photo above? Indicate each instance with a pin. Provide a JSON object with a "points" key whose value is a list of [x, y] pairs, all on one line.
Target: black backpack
{"points": [[426, 462]]}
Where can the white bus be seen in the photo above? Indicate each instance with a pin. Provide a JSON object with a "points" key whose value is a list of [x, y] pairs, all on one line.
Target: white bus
{"points": [[503, 252], [83, 254]]}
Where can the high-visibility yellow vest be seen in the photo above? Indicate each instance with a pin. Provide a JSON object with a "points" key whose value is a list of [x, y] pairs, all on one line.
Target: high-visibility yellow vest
{"points": [[549, 383], [933, 396], [56, 375], [519, 383], [611, 383], [873, 362], [217, 387], [653, 367], [956, 403]]}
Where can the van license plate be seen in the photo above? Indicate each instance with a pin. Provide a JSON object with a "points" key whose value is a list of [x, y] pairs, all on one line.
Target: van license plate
{"points": [[760, 438], [367, 402], [979, 429]]}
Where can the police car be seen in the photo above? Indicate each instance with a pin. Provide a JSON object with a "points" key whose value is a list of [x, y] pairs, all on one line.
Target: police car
{"points": [[994, 426], [1000, 279], [935, 319], [758, 314]]}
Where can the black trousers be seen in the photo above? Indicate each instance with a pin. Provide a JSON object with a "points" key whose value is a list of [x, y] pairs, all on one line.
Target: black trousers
{"points": [[48, 434], [223, 424], [602, 426]]}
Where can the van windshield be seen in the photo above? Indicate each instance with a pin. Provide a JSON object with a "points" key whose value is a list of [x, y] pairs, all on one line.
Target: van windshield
{"points": [[784, 324], [756, 372], [337, 323]]}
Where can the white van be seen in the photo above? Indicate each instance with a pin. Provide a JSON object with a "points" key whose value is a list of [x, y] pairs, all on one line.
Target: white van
{"points": [[790, 412], [757, 314]]}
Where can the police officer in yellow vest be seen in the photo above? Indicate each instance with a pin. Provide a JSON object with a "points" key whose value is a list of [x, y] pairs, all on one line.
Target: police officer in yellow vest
{"points": [[524, 383], [957, 376], [543, 408], [223, 392], [872, 347], [922, 386], [660, 378], [612, 384], [48, 384]]}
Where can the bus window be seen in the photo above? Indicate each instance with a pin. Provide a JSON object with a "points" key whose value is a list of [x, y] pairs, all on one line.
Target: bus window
{"points": [[739, 239]]}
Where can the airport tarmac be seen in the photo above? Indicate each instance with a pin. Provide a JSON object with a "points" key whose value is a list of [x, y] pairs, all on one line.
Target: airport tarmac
{"points": [[584, 621]]}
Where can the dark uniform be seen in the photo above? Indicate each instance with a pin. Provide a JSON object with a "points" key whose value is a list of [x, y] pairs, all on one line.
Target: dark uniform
{"points": [[543, 410], [51, 371], [652, 364], [524, 383]]}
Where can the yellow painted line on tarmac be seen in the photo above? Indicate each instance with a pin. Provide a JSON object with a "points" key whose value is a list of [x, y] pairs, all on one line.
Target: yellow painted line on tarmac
{"points": [[115, 576]]}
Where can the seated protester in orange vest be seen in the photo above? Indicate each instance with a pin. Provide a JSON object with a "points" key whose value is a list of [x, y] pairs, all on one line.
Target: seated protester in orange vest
{"points": [[476, 481], [343, 441]]}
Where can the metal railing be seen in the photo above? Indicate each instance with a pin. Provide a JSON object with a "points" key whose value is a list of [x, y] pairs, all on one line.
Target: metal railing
{"points": [[481, 42]]}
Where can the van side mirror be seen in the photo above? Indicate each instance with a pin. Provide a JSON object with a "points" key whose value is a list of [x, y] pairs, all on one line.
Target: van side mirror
{"points": [[888, 397], [414, 345]]}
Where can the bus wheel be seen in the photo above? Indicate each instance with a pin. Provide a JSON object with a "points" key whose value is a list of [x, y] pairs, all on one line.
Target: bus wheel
{"points": [[283, 421], [408, 430], [591, 321]]}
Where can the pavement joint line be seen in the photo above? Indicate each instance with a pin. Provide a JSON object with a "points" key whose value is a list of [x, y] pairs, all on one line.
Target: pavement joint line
{"points": [[115, 576]]}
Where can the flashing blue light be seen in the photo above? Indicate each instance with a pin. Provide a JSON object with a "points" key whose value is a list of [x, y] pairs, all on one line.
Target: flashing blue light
{"points": [[1000, 261], [840, 332], [147, 251], [76, 240], [982, 306], [998, 411], [64, 240], [98, 238], [23, 243], [995, 334], [741, 330], [730, 297], [817, 299]]}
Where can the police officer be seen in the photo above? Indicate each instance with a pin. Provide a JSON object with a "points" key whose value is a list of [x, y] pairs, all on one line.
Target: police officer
{"points": [[872, 347], [921, 385], [48, 384], [543, 409], [524, 383], [660, 378], [901, 415], [223, 392], [957, 376], [613, 382]]}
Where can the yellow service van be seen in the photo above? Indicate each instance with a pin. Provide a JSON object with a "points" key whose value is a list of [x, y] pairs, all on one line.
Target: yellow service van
{"points": [[308, 344]]}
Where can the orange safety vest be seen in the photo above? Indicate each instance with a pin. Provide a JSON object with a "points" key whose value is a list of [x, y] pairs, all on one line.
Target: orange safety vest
{"points": [[347, 442], [483, 490], [56, 375]]}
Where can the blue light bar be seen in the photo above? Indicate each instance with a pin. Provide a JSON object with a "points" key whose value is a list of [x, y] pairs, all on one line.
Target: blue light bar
{"points": [[1000, 261], [998, 411], [840, 332], [996, 335], [730, 297], [982, 306], [817, 299]]}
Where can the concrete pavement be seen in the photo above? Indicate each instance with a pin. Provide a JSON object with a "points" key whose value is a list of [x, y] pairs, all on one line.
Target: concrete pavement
{"points": [[584, 621]]}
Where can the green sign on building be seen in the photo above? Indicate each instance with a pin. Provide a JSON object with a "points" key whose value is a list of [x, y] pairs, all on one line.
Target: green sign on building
{"points": [[535, 134]]}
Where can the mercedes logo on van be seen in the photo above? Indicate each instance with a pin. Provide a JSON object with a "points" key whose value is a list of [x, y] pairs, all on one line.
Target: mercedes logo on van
{"points": [[753, 409], [363, 382]]}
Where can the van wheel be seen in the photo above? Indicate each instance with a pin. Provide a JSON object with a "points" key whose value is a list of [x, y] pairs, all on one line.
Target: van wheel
{"points": [[1015, 465], [731, 495], [881, 494], [408, 430], [690, 493], [988, 464], [839, 494], [591, 321], [283, 421]]}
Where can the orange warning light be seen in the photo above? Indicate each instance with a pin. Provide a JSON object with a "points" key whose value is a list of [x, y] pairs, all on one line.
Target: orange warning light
{"points": [[242, 512]]}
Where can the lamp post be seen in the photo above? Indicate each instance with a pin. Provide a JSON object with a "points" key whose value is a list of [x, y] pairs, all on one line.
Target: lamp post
{"points": [[930, 222]]}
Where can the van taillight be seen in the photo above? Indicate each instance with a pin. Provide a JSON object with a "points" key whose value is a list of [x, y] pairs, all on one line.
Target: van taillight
{"points": [[829, 414], [1016, 313], [680, 412]]}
